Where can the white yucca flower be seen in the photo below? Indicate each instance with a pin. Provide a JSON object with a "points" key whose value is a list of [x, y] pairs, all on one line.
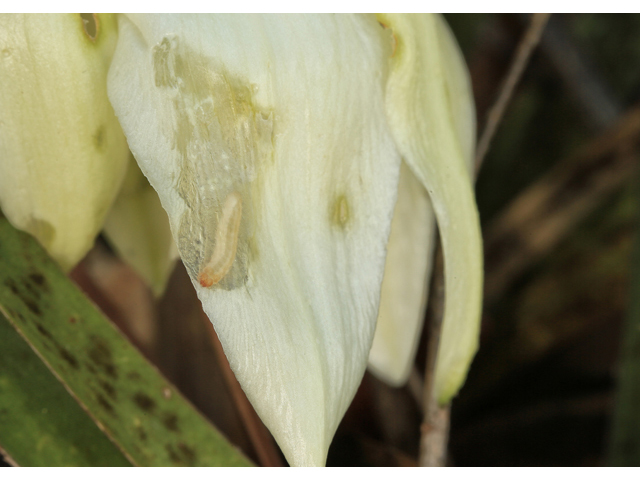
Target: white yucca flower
{"points": [[286, 149]]}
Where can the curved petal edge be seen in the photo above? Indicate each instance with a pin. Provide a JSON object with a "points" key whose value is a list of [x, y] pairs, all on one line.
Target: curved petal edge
{"points": [[430, 110]]}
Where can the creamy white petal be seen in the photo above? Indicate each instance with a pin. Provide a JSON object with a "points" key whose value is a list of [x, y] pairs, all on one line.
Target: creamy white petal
{"points": [[405, 286], [138, 228], [430, 111], [277, 121], [62, 152]]}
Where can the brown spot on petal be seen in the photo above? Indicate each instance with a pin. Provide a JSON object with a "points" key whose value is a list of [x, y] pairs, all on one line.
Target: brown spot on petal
{"points": [[90, 25]]}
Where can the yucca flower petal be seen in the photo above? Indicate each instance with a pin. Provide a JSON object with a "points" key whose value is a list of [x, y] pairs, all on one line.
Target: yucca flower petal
{"points": [[62, 152], [267, 141], [430, 112], [405, 285], [138, 228]]}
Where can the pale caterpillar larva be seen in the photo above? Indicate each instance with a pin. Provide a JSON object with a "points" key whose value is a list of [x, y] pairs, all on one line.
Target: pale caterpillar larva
{"points": [[224, 251]]}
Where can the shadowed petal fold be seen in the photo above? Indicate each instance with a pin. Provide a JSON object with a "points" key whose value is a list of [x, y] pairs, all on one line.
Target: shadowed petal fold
{"points": [[405, 285], [138, 228]]}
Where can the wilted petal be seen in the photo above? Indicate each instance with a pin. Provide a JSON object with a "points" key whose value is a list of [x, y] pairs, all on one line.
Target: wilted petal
{"points": [[266, 139], [430, 111], [138, 228], [62, 152]]}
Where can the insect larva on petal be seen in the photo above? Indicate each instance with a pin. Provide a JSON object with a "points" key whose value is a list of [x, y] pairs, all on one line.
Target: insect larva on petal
{"points": [[224, 251]]}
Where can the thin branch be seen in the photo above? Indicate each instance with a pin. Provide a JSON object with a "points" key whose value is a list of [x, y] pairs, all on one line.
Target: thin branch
{"points": [[520, 60], [435, 425], [435, 437], [260, 437]]}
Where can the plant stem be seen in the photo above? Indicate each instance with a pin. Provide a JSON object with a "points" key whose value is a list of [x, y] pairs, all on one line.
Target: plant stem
{"points": [[435, 425], [520, 60]]}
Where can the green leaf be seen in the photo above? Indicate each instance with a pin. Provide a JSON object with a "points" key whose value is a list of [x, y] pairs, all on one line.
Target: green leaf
{"points": [[143, 414], [41, 425]]}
